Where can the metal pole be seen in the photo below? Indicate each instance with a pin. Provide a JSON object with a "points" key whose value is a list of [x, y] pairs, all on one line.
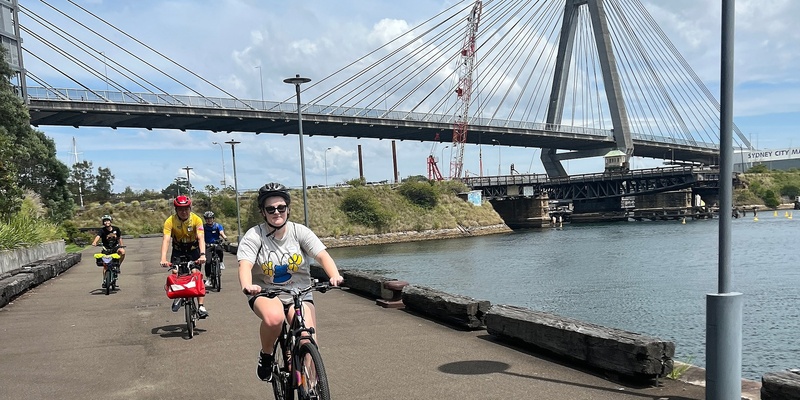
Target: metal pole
{"points": [[497, 142], [443, 149], [724, 309], [222, 155], [188, 181], [236, 189], [296, 81], [326, 166], [261, 77]]}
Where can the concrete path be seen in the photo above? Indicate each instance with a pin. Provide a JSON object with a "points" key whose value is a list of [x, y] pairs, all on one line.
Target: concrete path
{"points": [[67, 340]]}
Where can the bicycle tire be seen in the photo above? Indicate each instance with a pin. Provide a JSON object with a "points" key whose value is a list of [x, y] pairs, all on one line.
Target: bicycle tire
{"points": [[107, 280], [281, 381], [189, 314], [313, 384], [217, 275]]}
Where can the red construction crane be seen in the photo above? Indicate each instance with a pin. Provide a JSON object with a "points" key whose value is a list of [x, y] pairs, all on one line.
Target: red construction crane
{"points": [[433, 169], [464, 92]]}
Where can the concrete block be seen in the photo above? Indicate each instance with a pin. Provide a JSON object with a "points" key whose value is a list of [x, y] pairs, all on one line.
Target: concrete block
{"points": [[630, 354], [461, 311]]}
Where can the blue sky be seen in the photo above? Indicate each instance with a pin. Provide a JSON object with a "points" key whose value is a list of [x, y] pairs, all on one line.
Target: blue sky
{"points": [[225, 41]]}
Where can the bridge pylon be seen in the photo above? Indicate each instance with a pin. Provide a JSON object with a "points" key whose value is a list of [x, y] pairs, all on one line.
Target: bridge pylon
{"points": [[616, 103]]}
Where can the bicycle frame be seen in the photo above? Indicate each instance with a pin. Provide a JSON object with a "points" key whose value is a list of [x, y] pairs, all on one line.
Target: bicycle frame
{"points": [[110, 264], [300, 367], [216, 272], [191, 310]]}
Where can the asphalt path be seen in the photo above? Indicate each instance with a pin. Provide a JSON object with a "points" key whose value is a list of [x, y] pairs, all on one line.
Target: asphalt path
{"points": [[66, 339]]}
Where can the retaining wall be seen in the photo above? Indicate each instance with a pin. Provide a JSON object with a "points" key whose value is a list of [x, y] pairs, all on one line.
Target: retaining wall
{"points": [[14, 259]]}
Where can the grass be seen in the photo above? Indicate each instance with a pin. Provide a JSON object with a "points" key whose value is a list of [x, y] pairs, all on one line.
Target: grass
{"points": [[680, 368], [326, 218]]}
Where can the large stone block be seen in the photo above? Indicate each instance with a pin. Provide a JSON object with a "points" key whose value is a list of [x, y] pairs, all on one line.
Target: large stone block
{"points": [[625, 353], [14, 286], [364, 282], [784, 385], [460, 311]]}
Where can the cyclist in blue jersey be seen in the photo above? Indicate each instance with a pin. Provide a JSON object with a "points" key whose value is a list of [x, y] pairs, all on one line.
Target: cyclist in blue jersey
{"points": [[214, 233]]}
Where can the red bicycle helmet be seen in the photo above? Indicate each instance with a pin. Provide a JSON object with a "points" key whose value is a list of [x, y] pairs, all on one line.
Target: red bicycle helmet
{"points": [[182, 201]]}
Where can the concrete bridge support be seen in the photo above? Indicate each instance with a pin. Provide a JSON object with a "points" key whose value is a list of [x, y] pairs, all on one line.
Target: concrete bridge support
{"points": [[525, 212]]}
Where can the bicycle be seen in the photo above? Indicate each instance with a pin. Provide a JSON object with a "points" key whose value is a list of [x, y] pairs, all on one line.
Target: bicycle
{"points": [[190, 306], [215, 273], [298, 362], [109, 260]]}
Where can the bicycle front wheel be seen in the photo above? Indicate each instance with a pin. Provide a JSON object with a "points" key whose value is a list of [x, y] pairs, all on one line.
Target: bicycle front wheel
{"points": [[217, 275], [189, 313], [281, 373], [107, 280], [313, 382]]}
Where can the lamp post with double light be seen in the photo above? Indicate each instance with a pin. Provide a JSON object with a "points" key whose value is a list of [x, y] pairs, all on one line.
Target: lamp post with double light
{"points": [[326, 166], [222, 156], [188, 181], [297, 81], [236, 189]]}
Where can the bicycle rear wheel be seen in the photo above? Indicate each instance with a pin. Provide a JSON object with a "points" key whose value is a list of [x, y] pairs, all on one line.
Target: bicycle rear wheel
{"points": [[313, 383], [281, 373], [189, 310], [107, 279]]}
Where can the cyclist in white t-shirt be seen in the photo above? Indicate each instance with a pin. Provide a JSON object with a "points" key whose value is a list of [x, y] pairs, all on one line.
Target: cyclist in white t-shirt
{"points": [[278, 253]]}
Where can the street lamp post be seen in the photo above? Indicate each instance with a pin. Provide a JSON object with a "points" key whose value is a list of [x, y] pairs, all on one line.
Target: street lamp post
{"points": [[497, 142], [261, 79], [443, 149], [297, 81], [222, 155], [326, 166], [236, 189], [188, 181]]}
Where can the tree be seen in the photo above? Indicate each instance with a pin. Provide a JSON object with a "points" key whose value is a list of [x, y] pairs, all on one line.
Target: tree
{"points": [[81, 180], [177, 187], [105, 180], [10, 117], [32, 154]]}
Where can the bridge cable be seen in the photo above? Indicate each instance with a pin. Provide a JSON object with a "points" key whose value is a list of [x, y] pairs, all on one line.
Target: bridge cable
{"points": [[72, 40], [149, 48]]}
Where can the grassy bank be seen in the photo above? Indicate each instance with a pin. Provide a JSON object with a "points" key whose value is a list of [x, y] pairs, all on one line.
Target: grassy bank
{"points": [[333, 212]]}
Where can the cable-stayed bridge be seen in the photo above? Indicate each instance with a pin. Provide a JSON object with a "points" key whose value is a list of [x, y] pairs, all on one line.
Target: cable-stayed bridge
{"points": [[575, 78]]}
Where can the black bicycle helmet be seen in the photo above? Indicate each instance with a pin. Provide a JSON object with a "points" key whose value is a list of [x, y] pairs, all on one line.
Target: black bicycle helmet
{"points": [[208, 214], [273, 189]]}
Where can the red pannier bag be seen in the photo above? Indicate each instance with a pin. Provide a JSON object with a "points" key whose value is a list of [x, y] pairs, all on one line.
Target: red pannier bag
{"points": [[185, 285]]}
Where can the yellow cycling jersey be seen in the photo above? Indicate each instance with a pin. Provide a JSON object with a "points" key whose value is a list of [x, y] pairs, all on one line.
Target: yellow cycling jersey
{"points": [[184, 232]]}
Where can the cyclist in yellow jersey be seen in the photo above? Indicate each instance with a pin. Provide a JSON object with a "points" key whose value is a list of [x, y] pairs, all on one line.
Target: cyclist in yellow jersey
{"points": [[184, 231]]}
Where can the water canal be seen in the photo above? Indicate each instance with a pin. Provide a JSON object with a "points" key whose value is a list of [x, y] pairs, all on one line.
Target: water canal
{"points": [[647, 277]]}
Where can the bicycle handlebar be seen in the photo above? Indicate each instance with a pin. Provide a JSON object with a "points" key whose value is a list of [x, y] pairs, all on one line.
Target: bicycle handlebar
{"points": [[316, 285]]}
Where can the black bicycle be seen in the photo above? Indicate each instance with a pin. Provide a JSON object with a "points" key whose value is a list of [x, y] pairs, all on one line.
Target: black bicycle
{"points": [[298, 363], [190, 307], [214, 270], [109, 260]]}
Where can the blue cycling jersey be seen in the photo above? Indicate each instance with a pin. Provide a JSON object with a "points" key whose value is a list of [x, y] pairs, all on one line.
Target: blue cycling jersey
{"points": [[212, 232]]}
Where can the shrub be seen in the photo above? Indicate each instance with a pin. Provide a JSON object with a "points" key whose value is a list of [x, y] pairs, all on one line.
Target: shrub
{"points": [[791, 191], [771, 199], [419, 193], [362, 207]]}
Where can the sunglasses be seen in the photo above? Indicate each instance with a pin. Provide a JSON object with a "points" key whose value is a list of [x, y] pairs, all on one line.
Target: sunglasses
{"points": [[271, 210]]}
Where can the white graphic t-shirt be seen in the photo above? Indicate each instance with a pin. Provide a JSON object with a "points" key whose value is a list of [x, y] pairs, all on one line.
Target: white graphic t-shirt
{"points": [[280, 262]]}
